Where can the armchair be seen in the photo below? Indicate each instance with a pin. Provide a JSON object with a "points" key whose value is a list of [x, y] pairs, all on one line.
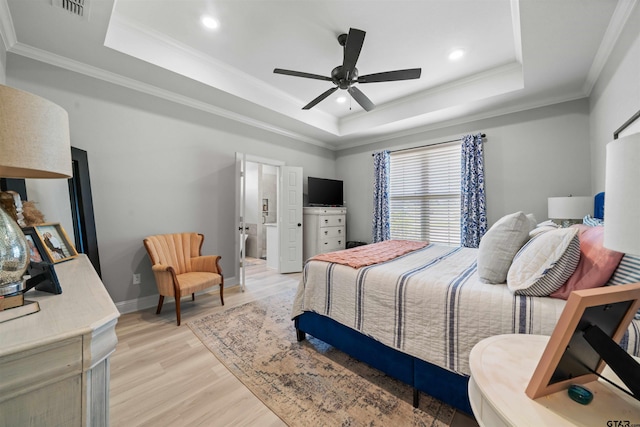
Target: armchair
{"points": [[180, 269]]}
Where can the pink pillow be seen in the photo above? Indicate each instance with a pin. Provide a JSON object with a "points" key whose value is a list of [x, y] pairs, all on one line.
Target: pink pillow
{"points": [[596, 265]]}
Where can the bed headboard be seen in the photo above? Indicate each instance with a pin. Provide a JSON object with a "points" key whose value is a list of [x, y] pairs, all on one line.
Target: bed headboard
{"points": [[598, 206]]}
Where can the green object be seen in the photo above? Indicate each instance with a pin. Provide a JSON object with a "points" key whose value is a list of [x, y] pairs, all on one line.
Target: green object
{"points": [[580, 394]]}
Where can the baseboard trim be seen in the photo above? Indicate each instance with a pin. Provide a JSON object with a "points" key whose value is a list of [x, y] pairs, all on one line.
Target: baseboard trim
{"points": [[142, 303]]}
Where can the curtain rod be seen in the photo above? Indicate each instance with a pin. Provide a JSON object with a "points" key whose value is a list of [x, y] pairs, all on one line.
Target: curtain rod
{"points": [[430, 145]]}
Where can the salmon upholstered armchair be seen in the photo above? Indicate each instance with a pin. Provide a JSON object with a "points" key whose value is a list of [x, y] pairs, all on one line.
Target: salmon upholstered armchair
{"points": [[180, 269]]}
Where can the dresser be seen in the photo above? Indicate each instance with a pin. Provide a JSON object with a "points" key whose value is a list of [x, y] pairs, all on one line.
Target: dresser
{"points": [[54, 364], [324, 230]]}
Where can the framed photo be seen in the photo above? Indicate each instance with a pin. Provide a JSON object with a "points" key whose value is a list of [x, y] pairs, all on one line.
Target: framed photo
{"points": [[55, 242], [36, 248], [590, 319]]}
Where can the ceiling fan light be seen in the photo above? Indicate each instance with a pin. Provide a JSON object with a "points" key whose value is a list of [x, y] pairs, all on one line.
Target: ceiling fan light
{"points": [[210, 22], [341, 99], [456, 54]]}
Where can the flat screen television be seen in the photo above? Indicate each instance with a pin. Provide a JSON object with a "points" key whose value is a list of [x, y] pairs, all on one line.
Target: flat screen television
{"points": [[324, 192]]}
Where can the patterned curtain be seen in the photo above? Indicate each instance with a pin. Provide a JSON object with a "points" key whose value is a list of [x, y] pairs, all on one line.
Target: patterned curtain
{"points": [[380, 226], [473, 218]]}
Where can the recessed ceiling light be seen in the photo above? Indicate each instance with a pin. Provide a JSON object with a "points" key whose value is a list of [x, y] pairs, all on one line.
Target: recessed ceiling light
{"points": [[209, 22], [341, 100], [456, 54]]}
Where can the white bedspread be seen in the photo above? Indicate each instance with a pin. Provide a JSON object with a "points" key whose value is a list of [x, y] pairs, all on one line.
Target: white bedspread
{"points": [[428, 303]]}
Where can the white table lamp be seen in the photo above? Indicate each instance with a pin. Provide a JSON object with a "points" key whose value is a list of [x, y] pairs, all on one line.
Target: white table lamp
{"points": [[34, 143], [569, 209], [622, 195]]}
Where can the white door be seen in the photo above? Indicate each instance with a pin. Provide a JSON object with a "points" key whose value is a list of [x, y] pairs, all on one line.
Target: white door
{"points": [[290, 219], [241, 188]]}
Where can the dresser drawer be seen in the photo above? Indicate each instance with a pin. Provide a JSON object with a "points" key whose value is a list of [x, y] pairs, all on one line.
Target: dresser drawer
{"points": [[332, 244], [326, 232], [331, 220]]}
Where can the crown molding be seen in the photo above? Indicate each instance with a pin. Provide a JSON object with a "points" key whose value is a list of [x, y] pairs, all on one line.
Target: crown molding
{"points": [[491, 113], [616, 25], [117, 79], [7, 31]]}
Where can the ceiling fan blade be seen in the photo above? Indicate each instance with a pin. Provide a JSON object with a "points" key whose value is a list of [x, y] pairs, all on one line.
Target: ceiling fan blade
{"points": [[352, 49], [301, 74], [390, 76], [320, 98], [361, 98]]}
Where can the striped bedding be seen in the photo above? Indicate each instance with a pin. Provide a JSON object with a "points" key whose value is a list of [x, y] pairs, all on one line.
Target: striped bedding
{"points": [[428, 303]]}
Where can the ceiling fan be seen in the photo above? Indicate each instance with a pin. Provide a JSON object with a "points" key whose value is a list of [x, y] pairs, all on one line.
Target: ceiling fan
{"points": [[346, 75]]}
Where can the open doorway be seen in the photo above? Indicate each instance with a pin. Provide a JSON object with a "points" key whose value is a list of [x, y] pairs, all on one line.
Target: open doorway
{"points": [[269, 212], [261, 211]]}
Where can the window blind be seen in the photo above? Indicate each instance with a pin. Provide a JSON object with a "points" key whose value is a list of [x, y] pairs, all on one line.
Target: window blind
{"points": [[424, 194]]}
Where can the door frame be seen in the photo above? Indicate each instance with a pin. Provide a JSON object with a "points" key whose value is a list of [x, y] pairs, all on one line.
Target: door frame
{"points": [[242, 158]]}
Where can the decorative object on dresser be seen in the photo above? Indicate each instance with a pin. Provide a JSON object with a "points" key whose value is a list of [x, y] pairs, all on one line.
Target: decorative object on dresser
{"points": [[324, 230], [180, 269], [57, 245], [570, 209], [35, 143]]}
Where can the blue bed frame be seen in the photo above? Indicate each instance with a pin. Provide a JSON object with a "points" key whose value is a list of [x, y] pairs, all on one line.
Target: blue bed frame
{"points": [[440, 383]]}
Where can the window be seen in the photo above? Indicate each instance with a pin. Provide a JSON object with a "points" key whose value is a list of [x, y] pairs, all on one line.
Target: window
{"points": [[424, 194]]}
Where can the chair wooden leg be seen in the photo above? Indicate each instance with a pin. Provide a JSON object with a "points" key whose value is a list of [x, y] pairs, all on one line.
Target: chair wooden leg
{"points": [[221, 292], [178, 309], [160, 304]]}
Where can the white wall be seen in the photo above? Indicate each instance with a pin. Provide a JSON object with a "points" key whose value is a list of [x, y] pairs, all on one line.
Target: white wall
{"points": [[529, 156], [616, 95], [252, 206], [3, 63], [155, 167]]}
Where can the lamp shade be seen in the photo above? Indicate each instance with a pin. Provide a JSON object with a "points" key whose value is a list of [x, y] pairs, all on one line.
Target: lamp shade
{"points": [[622, 195], [34, 136], [569, 207]]}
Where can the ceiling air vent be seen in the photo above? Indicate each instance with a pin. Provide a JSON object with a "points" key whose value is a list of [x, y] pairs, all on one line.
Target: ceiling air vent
{"points": [[79, 8]]}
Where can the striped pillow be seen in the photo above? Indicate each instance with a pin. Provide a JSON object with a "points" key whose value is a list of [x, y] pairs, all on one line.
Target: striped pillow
{"points": [[628, 271], [591, 221], [545, 263]]}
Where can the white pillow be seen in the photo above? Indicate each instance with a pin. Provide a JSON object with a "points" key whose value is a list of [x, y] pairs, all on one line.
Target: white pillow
{"points": [[545, 263], [543, 227], [500, 244]]}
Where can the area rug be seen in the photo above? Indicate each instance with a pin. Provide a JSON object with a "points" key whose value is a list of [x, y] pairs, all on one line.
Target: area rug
{"points": [[308, 383]]}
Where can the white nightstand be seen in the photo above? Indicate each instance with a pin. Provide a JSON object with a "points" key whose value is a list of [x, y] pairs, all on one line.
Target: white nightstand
{"points": [[501, 367]]}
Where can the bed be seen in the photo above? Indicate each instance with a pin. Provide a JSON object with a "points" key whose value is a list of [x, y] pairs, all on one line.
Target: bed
{"points": [[416, 316]]}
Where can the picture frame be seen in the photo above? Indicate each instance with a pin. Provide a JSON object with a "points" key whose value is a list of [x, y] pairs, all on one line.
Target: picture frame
{"points": [[568, 358], [36, 248], [55, 242]]}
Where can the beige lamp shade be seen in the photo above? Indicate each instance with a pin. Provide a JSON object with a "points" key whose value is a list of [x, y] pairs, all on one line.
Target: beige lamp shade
{"points": [[622, 195], [34, 136], [569, 207]]}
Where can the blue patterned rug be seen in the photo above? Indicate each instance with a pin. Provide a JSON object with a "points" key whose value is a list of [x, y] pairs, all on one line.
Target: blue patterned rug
{"points": [[308, 383]]}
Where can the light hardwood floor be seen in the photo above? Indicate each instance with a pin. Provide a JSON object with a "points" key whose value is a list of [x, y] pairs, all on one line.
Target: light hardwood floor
{"points": [[162, 375]]}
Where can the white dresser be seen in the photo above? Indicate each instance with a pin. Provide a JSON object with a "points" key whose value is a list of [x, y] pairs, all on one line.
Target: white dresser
{"points": [[325, 230], [54, 364]]}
